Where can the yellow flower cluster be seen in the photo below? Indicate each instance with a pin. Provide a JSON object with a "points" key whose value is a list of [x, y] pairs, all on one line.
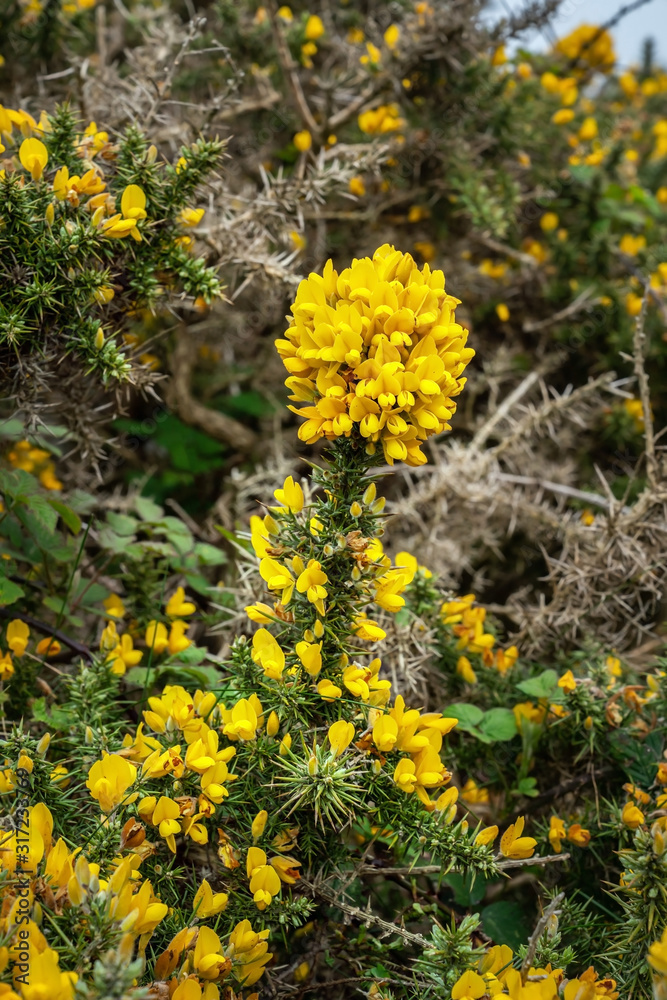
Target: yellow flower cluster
{"points": [[467, 625], [119, 649], [16, 637], [575, 834], [495, 976], [59, 876], [590, 46], [376, 350], [25, 456]]}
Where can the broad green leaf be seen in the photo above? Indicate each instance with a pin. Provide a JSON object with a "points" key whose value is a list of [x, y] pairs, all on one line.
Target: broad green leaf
{"points": [[499, 724], [542, 686], [9, 591], [209, 555], [147, 509], [72, 520], [122, 524]]}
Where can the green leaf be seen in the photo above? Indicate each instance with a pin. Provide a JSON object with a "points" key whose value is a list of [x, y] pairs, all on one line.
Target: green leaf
{"points": [[55, 717], [122, 524], [9, 591], [542, 686], [209, 555], [468, 715], [466, 893], [42, 514], [499, 724], [72, 520], [505, 922], [147, 509], [528, 787]]}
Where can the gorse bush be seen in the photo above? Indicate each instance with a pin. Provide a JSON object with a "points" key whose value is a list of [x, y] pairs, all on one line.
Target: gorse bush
{"points": [[231, 819], [286, 751]]}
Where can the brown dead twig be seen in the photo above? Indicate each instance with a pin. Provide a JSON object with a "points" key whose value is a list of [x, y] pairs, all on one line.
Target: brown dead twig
{"points": [[180, 398]]}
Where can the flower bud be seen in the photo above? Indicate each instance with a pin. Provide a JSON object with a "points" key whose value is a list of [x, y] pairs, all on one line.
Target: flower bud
{"points": [[356, 509], [49, 215], [258, 824], [318, 629], [370, 494], [273, 724], [285, 745], [99, 339], [312, 766], [89, 737], [43, 744]]}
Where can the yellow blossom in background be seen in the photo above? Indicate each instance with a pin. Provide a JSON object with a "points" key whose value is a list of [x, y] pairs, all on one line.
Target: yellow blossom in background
{"points": [[577, 835], [314, 28], [589, 46], [384, 119], [177, 606], [473, 794], [549, 222], [6, 667], [357, 187], [303, 141], [632, 816], [502, 312], [17, 636], [556, 833]]}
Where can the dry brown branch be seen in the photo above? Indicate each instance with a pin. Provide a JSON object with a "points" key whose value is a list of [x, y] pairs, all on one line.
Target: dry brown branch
{"points": [[638, 349], [551, 910], [290, 70], [179, 396]]}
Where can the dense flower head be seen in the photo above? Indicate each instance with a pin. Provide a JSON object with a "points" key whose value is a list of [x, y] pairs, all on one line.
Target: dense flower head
{"points": [[375, 349], [590, 46]]}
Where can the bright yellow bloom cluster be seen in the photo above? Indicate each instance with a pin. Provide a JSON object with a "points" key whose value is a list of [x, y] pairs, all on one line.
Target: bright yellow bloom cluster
{"points": [[467, 625], [381, 120], [575, 833], [495, 976], [657, 959], [25, 456], [375, 349], [591, 47]]}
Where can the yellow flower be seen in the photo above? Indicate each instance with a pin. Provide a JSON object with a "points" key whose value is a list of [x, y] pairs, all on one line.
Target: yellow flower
{"points": [[373, 56], [285, 14], [303, 141], [114, 607], [314, 28], [177, 606], [206, 903], [242, 721], [588, 129], [562, 116], [259, 824], [657, 954], [328, 690], [190, 216], [310, 656], [473, 794], [549, 222], [357, 187], [631, 245], [341, 734], [290, 495], [470, 986], [502, 312], [499, 57], [267, 652], [590, 46], [177, 639], [567, 682], [556, 833], [17, 636], [250, 950], [264, 879], [48, 647], [311, 582], [631, 816], [385, 733], [577, 835], [486, 836], [108, 780], [513, 845], [391, 36], [6, 667], [465, 671], [34, 156], [384, 119], [277, 577]]}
